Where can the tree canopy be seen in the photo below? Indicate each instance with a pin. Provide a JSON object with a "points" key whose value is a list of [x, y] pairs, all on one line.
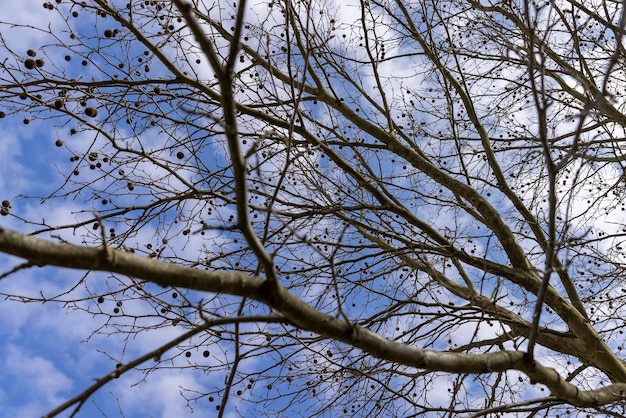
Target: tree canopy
{"points": [[348, 208]]}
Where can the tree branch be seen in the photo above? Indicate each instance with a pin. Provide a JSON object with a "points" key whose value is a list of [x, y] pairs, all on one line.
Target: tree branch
{"points": [[42, 252]]}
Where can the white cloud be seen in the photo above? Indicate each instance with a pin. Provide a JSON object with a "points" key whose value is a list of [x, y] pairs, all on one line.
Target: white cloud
{"points": [[160, 395], [35, 382]]}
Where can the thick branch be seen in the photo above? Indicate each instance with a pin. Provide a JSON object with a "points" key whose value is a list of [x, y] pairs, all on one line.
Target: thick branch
{"points": [[42, 252]]}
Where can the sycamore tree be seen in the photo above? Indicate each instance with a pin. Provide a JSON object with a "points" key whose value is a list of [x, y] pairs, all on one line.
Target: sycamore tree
{"points": [[349, 208]]}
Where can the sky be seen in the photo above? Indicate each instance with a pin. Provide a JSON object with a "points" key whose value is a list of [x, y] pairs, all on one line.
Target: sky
{"points": [[49, 351]]}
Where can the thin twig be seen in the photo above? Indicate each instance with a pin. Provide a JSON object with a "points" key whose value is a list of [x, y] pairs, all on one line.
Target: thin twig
{"points": [[82, 397]]}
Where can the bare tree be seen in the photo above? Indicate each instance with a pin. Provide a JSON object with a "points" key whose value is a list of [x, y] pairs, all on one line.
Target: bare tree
{"points": [[379, 207]]}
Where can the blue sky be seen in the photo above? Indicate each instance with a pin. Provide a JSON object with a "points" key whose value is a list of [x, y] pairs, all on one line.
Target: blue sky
{"points": [[52, 350], [53, 343], [57, 344], [48, 353], [49, 350]]}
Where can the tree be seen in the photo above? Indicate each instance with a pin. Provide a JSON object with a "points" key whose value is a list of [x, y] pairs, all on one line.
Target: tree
{"points": [[360, 203]]}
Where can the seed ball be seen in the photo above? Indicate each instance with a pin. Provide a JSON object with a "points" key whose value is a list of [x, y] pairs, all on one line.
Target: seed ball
{"points": [[84, 63], [4, 211], [23, 96], [58, 143], [109, 33], [180, 155], [39, 62], [2, 114], [76, 172], [31, 53], [72, 131], [116, 310], [100, 299], [91, 112], [6, 204], [75, 14], [206, 353], [68, 58], [188, 354], [26, 121], [58, 104], [30, 64]]}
